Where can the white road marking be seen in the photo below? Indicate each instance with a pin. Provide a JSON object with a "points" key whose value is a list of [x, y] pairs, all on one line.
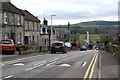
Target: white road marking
{"points": [[43, 62], [55, 60], [1, 64], [8, 77], [34, 67], [18, 64], [51, 63], [65, 65], [83, 65], [64, 56]]}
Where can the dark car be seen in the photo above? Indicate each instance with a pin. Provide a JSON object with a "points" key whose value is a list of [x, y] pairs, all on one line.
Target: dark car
{"points": [[83, 48], [58, 46]]}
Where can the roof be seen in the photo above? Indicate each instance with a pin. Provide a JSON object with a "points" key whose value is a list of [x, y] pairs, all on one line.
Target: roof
{"points": [[7, 6], [29, 16]]}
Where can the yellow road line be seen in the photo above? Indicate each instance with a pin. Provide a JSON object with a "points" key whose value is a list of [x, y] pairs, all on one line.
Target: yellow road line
{"points": [[87, 72], [92, 70]]}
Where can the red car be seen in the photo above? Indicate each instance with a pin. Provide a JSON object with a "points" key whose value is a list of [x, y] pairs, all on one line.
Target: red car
{"points": [[7, 45]]}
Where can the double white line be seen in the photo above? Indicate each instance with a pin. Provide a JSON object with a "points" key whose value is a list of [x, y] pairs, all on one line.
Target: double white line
{"points": [[90, 69]]}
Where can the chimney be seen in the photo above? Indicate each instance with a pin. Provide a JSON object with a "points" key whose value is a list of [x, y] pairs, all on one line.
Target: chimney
{"points": [[45, 22], [5, 0]]}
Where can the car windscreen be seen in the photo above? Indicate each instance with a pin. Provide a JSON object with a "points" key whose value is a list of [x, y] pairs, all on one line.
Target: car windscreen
{"points": [[6, 42], [57, 44]]}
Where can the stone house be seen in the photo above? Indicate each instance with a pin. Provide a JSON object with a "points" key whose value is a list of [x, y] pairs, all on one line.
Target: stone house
{"points": [[0, 20], [12, 23], [31, 29], [45, 36]]}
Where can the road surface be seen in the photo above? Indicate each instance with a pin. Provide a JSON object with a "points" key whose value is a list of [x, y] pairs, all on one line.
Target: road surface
{"points": [[75, 64]]}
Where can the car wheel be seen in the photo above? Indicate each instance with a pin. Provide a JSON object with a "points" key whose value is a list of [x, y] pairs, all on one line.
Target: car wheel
{"points": [[65, 52], [52, 52]]}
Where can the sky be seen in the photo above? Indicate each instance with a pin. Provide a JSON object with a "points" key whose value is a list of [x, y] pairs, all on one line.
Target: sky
{"points": [[73, 11]]}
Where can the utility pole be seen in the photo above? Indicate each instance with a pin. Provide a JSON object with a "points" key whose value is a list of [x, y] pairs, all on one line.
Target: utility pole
{"points": [[69, 32]]}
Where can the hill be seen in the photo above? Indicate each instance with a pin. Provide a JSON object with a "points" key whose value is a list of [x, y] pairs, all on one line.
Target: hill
{"points": [[97, 24]]}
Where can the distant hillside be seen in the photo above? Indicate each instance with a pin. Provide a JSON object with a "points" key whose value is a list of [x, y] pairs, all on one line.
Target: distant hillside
{"points": [[97, 23], [94, 27], [93, 24]]}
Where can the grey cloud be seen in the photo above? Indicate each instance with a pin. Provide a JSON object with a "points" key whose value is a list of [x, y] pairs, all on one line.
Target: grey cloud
{"points": [[86, 14]]}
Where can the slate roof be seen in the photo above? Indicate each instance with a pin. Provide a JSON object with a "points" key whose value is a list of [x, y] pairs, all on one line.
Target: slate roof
{"points": [[29, 16], [8, 6]]}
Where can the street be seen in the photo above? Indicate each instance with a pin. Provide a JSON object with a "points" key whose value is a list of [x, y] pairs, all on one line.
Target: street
{"points": [[74, 64]]}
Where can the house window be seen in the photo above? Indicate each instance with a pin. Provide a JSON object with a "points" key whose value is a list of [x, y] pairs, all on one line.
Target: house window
{"points": [[26, 25], [5, 18], [19, 20], [33, 26], [37, 26], [12, 18], [37, 38], [30, 39], [33, 39], [43, 30], [22, 20], [45, 42], [20, 37]]}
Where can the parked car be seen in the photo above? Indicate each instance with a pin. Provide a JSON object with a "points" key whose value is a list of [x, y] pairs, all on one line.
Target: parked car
{"points": [[7, 45], [58, 46], [83, 48]]}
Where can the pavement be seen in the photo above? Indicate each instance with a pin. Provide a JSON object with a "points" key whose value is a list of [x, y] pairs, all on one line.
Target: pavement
{"points": [[108, 65]]}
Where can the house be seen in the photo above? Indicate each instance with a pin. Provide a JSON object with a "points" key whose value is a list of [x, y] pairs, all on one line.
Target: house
{"points": [[45, 36], [31, 29], [0, 20], [12, 22]]}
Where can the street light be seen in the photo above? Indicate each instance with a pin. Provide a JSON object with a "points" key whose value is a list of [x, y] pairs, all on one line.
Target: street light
{"points": [[51, 29]]}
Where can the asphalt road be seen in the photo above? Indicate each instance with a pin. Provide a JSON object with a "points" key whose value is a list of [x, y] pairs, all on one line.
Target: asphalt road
{"points": [[75, 64]]}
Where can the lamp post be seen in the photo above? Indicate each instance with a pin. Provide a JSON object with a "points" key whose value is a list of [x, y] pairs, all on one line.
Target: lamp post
{"points": [[51, 29]]}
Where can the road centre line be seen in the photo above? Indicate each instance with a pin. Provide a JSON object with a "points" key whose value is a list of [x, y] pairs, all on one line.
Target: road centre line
{"points": [[92, 70], [87, 72], [13, 61]]}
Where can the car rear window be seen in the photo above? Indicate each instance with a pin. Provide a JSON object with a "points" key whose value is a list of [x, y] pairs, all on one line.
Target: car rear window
{"points": [[6, 42], [57, 44]]}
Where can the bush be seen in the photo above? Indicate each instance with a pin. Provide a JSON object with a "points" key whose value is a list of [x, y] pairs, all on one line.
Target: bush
{"points": [[20, 47]]}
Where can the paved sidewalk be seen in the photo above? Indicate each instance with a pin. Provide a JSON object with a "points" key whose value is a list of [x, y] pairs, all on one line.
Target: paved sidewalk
{"points": [[109, 65]]}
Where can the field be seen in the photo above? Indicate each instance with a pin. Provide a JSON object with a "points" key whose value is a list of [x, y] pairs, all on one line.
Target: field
{"points": [[93, 37], [82, 37]]}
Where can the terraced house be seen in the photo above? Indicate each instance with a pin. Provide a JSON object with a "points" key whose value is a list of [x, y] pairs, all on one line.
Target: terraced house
{"points": [[19, 25], [32, 29], [12, 23]]}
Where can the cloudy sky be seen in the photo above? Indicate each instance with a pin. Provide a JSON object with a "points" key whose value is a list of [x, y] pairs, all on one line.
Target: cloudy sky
{"points": [[73, 11]]}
